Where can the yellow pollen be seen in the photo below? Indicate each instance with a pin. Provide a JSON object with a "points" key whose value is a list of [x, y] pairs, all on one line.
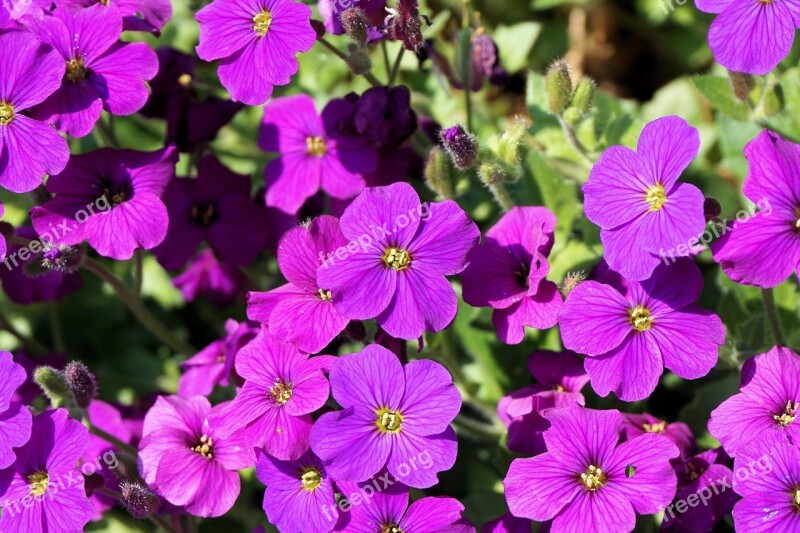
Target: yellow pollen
{"points": [[388, 421], [654, 428], [76, 70], [39, 482], [205, 448], [262, 22], [788, 415], [796, 209], [558, 387], [593, 478], [324, 295], [316, 146], [656, 196], [390, 528], [396, 258], [796, 498], [185, 80], [6, 113], [311, 479], [281, 391], [640, 318]]}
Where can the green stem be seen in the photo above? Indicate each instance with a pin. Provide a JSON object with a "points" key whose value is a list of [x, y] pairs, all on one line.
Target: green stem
{"points": [[107, 133], [368, 76], [30, 344], [386, 61], [771, 311], [137, 307], [138, 273], [502, 197], [572, 138], [110, 493], [396, 67], [55, 325], [479, 428], [111, 439]]}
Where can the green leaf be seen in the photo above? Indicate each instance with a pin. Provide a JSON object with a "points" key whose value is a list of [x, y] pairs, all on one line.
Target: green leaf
{"points": [[515, 43], [719, 92]]}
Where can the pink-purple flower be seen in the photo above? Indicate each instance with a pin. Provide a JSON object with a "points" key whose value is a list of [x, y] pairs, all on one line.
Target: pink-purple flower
{"points": [[634, 425], [645, 214], [137, 15], [507, 273], [630, 333], [15, 418]]}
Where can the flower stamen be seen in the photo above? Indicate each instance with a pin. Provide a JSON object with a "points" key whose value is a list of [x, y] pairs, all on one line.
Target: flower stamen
{"points": [[656, 196], [316, 146], [388, 421], [76, 70], [640, 318], [658, 427], [788, 415], [324, 295], [281, 392], [396, 258], [6, 113], [262, 22], [39, 481], [205, 448], [593, 478], [311, 478]]}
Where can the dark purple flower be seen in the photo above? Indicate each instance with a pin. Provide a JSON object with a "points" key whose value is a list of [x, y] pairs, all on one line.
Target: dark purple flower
{"points": [[29, 149], [507, 523], [220, 283], [405, 24], [110, 198], [101, 71], [137, 15]]}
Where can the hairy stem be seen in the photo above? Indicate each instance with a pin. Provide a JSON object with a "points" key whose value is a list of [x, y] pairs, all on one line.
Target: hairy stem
{"points": [[771, 311]]}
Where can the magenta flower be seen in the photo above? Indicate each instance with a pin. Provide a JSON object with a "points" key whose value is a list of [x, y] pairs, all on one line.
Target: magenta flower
{"points": [[644, 213], [300, 312], [753, 36], [768, 402], [43, 490], [297, 492], [15, 418], [217, 207], [257, 41], [393, 416], [220, 283], [634, 425], [395, 264], [388, 510], [184, 459], [764, 250], [213, 365], [507, 273], [771, 491], [651, 325], [282, 388], [102, 72], [586, 482], [137, 15], [559, 380], [29, 149], [311, 155], [507, 523], [111, 198]]}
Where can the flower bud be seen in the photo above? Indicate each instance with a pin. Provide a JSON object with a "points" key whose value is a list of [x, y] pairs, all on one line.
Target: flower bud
{"points": [[510, 141], [583, 97], [318, 27], [358, 59], [92, 483], [711, 209], [355, 24], [405, 24], [558, 84], [492, 173], [742, 84], [81, 382], [54, 386], [571, 280], [439, 173], [461, 145], [138, 500], [773, 99]]}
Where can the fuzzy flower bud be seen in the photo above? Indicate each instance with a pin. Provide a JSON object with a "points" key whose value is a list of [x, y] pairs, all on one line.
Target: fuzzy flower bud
{"points": [[405, 24], [54, 386], [558, 84], [711, 209], [358, 59], [138, 500], [742, 84], [81, 382], [355, 24], [583, 97], [571, 280], [319, 27], [461, 145], [439, 173]]}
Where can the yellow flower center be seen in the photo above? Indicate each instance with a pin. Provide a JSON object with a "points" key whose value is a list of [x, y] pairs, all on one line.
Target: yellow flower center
{"points": [[593, 478], [654, 428], [205, 447], [788, 415], [76, 70], [388, 421], [311, 478], [6, 113], [39, 481], [281, 391], [796, 498], [185, 80], [316, 146], [796, 209], [261, 22], [324, 295], [656, 196], [390, 528], [396, 258], [640, 318]]}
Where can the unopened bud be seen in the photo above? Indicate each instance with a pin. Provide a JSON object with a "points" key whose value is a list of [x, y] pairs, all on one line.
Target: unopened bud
{"points": [[355, 24], [571, 280], [461, 145], [742, 84], [773, 100], [92, 483], [66, 259], [319, 28], [439, 173], [81, 382], [558, 84], [358, 59], [572, 116], [583, 97], [54, 386], [510, 141], [138, 500], [404, 24], [492, 173], [711, 209]]}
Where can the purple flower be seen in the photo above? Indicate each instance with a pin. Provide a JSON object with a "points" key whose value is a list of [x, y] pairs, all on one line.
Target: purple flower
{"points": [[768, 402], [137, 15], [101, 71], [395, 264], [507, 272], [297, 492], [770, 485], [388, 510], [300, 312], [331, 13], [43, 490], [220, 283], [752, 36], [651, 325], [185, 460], [585, 481], [214, 364], [282, 388], [643, 212], [15, 418], [764, 249], [559, 380], [29, 149], [634, 425], [311, 155], [257, 41], [111, 198], [708, 477], [217, 207], [507, 523], [395, 416]]}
